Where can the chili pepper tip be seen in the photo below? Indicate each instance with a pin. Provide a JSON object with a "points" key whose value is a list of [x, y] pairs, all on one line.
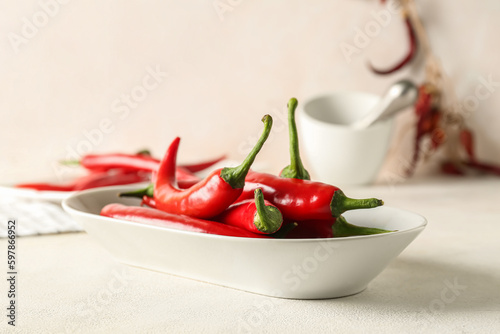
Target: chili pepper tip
{"points": [[341, 203], [342, 228]]}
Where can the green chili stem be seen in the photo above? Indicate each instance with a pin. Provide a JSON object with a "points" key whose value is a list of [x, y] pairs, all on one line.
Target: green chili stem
{"points": [[70, 162], [268, 219], [284, 230], [139, 193], [296, 169], [341, 203], [235, 176], [342, 228]]}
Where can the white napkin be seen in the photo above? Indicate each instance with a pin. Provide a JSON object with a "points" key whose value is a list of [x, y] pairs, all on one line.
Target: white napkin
{"points": [[34, 217]]}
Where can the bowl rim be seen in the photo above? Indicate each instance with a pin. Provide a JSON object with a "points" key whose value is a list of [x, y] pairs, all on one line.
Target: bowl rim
{"points": [[66, 204]]}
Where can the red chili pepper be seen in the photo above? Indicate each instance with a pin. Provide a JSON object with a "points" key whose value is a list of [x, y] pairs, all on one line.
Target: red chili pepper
{"points": [[411, 52], [45, 187], [104, 179], [132, 162], [194, 168], [296, 169], [209, 197], [159, 218], [149, 201], [135, 162], [300, 200], [451, 169], [428, 119], [93, 180], [255, 215], [484, 167]]}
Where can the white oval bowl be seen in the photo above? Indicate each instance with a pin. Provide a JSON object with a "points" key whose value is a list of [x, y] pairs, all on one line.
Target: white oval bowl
{"points": [[285, 268]]}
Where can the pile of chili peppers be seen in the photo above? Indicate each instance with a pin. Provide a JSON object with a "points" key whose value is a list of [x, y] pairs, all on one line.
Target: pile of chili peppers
{"points": [[119, 169], [244, 203]]}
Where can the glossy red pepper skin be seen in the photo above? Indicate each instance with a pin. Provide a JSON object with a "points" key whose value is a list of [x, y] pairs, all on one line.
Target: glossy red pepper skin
{"points": [[149, 201], [129, 162], [93, 180], [211, 196], [298, 200], [132, 162], [303, 200], [255, 215], [138, 162], [206, 199], [159, 218]]}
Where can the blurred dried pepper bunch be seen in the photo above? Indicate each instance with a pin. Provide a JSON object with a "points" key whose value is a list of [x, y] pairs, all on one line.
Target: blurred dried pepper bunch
{"points": [[439, 120]]}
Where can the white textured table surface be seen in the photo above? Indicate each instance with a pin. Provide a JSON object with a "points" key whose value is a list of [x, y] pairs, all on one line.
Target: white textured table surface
{"points": [[446, 281]]}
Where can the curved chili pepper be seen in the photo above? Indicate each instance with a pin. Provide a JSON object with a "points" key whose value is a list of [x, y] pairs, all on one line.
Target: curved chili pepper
{"points": [[296, 169], [209, 197], [410, 55], [159, 218], [255, 215], [300, 200]]}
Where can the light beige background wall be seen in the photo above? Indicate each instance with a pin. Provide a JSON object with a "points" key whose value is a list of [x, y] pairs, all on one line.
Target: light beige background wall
{"points": [[66, 77]]}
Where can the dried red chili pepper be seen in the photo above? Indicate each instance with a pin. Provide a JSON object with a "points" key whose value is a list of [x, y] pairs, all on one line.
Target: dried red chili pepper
{"points": [[467, 142], [484, 167], [451, 168], [301, 200], [209, 197], [296, 169], [255, 215], [411, 52], [428, 123], [159, 218]]}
